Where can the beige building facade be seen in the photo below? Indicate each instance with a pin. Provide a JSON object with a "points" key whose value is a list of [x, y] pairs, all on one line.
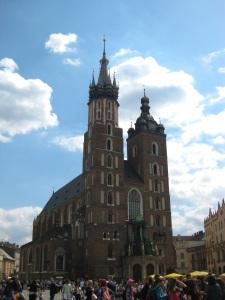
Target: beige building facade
{"points": [[7, 265], [190, 253], [215, 239]]}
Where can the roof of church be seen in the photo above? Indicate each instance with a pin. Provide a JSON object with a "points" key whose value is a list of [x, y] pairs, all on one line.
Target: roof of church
{"points": [[70, 190], [130, 174]]}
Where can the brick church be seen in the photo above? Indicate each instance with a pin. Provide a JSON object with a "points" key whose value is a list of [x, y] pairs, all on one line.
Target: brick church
{"points": [[115, 217]]}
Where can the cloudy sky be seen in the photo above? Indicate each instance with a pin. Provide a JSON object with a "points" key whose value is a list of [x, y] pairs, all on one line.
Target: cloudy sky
{"points": [[49, 49]]}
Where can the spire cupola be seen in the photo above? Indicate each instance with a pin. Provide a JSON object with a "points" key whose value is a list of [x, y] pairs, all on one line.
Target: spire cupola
{"points": [[145, 122], [104, 87]]}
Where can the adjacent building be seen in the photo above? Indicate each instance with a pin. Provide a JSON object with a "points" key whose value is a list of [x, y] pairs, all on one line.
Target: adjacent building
{"points": [[190, 253], [115, 217], [7, 264], [9, 259], [215, 239]]}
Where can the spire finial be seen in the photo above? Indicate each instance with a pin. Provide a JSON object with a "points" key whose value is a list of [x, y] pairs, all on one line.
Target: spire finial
{"points": [[144, 92], [104, 40]]}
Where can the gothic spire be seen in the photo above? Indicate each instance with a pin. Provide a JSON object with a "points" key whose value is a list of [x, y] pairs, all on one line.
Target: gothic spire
{"points": [[104, 77], [104, 87]]}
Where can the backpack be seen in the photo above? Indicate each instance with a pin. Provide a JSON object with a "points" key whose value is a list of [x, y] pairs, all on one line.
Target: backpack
{"points": [[106, 294]]}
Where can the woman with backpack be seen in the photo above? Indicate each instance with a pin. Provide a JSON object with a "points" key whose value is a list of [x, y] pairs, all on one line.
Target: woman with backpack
{"points": [[104, 293]]}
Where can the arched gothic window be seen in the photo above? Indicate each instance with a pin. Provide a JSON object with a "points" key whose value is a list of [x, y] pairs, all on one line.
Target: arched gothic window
{"points": [[45, 265], [30, 258], [134, 204], [155, 169], [155, 148]]}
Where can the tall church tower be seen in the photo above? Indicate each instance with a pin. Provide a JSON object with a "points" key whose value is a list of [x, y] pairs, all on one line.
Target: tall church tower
{"points": [[103, 161], [147, 154]]}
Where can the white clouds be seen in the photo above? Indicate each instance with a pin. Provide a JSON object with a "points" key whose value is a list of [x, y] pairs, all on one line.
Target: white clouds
{"points": [[73, 62], [8, 64], [72, 143], [212, 56], [24, 103], [60, 43], [219, 140], [16, 224], [221, 70], [196, 167], [124, 51], [172, 94]]}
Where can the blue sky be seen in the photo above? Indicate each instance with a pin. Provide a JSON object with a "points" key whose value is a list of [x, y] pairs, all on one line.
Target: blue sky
{"points": [[48, 50]]}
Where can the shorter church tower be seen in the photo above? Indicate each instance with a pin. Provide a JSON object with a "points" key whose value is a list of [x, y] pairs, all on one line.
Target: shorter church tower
{"points": [[147, 154]]}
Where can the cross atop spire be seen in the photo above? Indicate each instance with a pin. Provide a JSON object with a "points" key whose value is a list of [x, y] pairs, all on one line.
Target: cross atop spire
{"points": [[104, 40]]}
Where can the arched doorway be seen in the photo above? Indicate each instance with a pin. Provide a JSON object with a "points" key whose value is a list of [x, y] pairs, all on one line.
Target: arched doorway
{"points": [[150, 269], [137, 272]]}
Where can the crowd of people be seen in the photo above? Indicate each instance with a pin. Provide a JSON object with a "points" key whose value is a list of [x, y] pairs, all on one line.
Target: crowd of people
{"points": [[154, 288]]}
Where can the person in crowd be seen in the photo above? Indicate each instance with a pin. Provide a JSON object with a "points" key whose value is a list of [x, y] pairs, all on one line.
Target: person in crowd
{"points": [[159, 290], [146, 288], [175, 289], [33, 290], [104, 293], [129, 289], [213, 290], [112, 286], [53, 289], [89, 291], [67, 290]]}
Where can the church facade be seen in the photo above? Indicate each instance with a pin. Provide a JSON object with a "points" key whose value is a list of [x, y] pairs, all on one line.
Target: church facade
{"points": [[114, 218]]}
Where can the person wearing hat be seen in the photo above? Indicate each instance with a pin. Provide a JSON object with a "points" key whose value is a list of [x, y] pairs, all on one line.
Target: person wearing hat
{"points": [[129, 291]]}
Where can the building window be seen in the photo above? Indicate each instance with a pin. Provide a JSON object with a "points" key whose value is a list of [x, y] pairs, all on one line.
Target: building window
{"points": [[110, 251], [109, 161], [156, 186], [60, 263], [134, 151], [155, 148], [104, 235], [134, 204], [115, 235], [98, 111], [110, 198], [30, 258], [110, 218], [109, 111], [109, 144], [155, 169], [109, 179], [109, 129], [157, 203], [45, 264], [157, 220]]}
